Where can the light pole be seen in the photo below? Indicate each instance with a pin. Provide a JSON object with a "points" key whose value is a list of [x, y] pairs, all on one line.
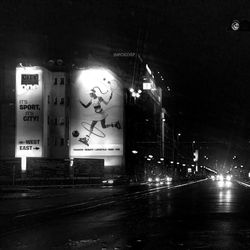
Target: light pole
{"points": [[177, 146]]}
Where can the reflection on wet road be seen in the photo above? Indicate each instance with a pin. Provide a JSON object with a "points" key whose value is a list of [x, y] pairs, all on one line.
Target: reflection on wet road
{"points": [[199, 216]]}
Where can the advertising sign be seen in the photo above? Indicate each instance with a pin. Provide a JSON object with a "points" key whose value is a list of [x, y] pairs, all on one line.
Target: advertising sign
{"points": [[96, 114], [29, 119]]}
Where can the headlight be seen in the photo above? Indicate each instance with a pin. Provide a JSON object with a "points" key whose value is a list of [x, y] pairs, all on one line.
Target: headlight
{"points": [[150, 179], [157, 179], [110, 181], [221, 178], [213, 177], [228, 177], [169, 179], [104, 181]]}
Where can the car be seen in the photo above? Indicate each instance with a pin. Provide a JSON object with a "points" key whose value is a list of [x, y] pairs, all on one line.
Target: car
{"points": [[157, 181], [116, 180]]}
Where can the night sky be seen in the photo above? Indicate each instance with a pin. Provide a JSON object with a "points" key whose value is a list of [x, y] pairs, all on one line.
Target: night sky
{"points": [[206, 64]]}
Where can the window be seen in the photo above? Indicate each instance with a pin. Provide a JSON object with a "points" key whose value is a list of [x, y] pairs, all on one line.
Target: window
{"points": [[55, 140], [61, 120], [62, 81], [62, 141], [62, 101]]}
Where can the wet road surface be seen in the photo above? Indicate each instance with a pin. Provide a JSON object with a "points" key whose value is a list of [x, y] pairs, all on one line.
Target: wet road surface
{"points": [[197, 216]]}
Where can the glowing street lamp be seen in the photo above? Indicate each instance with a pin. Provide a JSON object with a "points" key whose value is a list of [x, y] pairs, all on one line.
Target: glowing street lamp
{"points": [[235, 25]]}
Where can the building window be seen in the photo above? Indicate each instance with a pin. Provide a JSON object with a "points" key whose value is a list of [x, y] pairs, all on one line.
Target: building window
{"points": [[55, 81], [62, 141], [62, 81], [62, 101], [61, 120], [55, 101], [55, 140]]}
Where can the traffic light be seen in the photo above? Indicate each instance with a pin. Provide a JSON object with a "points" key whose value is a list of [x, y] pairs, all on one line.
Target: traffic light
{"points": [[196, 155], [240, 25]]}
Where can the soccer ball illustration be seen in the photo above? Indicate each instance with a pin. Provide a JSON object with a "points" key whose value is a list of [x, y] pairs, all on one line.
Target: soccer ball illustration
{"points": [[75, 133]]}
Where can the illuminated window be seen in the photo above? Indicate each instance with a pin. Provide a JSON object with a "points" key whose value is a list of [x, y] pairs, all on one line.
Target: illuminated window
{"points": [[55, 81], [62, 81], [62, 101]]}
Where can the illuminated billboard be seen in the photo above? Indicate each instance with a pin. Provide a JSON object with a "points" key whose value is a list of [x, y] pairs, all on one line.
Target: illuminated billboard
{"points": [[29, 119], [96, 123]]}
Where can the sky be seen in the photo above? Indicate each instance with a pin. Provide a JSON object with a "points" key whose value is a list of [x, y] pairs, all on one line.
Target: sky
{"points": [[202, 60]]}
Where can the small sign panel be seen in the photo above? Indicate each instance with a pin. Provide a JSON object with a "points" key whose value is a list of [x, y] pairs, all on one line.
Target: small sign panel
{"points": [[29, 79]]}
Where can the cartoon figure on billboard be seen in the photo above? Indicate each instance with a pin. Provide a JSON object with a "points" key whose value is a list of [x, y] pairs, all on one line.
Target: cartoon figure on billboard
{"points": [[97, 99]]}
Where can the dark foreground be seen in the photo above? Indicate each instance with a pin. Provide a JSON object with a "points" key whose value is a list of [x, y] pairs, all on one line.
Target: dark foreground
{"points": [[197, 216]]}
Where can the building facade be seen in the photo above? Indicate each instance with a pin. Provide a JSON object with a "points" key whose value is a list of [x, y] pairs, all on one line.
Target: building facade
{"points": [[62, 130]]}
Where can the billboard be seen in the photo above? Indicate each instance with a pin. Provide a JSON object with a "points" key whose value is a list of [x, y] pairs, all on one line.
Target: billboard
{"points": [[29, 119], [96, 123]]}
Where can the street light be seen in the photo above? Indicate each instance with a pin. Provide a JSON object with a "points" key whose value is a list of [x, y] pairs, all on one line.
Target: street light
{"points": [[235, 25]]}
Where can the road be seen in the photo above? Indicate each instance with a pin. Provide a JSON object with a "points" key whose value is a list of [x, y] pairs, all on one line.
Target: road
{"points": [[197, 216]]}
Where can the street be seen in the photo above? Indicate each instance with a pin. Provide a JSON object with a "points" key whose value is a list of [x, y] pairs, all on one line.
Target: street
{"points": [[196, 216]]}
